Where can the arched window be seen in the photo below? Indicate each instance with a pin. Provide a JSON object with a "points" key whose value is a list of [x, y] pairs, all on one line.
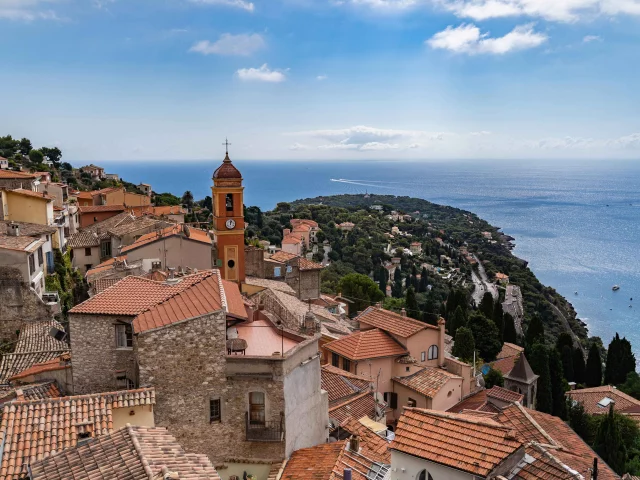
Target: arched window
{"points": [[433, 352], [424, 475], [256, 408]]}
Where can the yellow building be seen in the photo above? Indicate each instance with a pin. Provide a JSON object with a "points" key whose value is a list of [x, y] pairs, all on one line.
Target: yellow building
{"points": [[28, 206]]}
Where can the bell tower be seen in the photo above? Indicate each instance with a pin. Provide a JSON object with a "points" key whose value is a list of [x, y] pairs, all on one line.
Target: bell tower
{"points": [[228, 220]]}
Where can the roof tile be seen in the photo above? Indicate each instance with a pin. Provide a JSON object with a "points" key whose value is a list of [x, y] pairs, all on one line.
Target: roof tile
{"points": [[367, 344], [392, 322]]}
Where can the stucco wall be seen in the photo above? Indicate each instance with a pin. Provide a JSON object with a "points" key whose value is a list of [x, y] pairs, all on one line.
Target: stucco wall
{"points": [[80, 259], [28, 209], [89, 218], [141, 416], [448, 395], [407, 467], [94, 354], [175, 251], [420, 342]]}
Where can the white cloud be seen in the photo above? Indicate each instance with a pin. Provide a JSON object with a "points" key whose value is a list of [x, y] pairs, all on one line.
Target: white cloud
{"points": [[228, 44], [467, 38], [592, 38], [626, 142], [27, 10], [262, 74], [414, 146], [242, 4], [386, 4], [299, 146], [320, 78], [480, 133]]}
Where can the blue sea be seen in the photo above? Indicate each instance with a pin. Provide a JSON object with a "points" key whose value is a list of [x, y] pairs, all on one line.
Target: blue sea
{"points": [[577, 223]]}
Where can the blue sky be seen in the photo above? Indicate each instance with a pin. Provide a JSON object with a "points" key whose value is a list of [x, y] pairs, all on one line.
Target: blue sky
{"points": [[323, 79]]}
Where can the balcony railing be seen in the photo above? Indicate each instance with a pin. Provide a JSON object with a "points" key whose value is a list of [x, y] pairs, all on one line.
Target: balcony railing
{"points": [[271, 431]]}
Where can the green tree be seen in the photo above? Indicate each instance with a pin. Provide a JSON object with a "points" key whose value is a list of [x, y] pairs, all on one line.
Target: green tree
{"points": [[54, 155], [567, 363], [493, 378], [578, 366], [510, 335], [486, 336], [564, 339], [608, 443], [464, 345], [36, 156], [283, 207], [593, 373], [535, 332], [580, 421], [498, 319], [539, 361], [458, 321], [424, 280], [24, 146], [187, 199], [412, 304], [631, 386], [558, 383], [486, 305], [620, 361], [396, 288], [361, 290]]}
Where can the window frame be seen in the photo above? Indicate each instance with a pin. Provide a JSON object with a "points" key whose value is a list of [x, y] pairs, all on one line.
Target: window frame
{"points": [[32, 264], [125, 329], [433, 352], [87, 249], [335, 360], [257, 409], [423, 356], [40, 256], [213, 418], [411, 402], [105, 249], [346, 364], [277, 271]]}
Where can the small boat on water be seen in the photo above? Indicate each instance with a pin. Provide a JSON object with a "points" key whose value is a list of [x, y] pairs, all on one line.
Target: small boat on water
{"points": [[615, 288]]}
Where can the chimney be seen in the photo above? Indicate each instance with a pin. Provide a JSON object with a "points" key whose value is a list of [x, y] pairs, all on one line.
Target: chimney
{"points": [[441, 334], [286, 231], [13, 229], [172, 280], [346, 475], [403, 312], [354, 443], [594, 473]]}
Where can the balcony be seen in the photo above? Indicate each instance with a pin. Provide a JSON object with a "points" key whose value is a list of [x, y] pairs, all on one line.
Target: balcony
{"points": [[271, 431]]}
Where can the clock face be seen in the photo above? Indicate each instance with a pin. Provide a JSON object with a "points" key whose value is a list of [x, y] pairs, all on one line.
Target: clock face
{"points": [[231, 223]]}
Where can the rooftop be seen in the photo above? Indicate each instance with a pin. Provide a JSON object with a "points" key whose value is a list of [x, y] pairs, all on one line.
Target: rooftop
{"points": [[372, 444], [34, 391], [463, 442], [226, 170], [34, 430], [522, 371], [340, 384], [138, 224], [173, 230], [272, 284], [504, 395], [593, 399], [392, 322], [31, 193], [10, 175], [20, 244], [57, 363], [427, 381], [92, 235], [282, 256], [101, 208], [362, 405], [28, 229], [367, 344], [263, 339], [131, 453]]}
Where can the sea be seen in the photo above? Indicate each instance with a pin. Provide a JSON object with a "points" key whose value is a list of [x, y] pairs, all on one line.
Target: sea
{"points": [[576, 223]]}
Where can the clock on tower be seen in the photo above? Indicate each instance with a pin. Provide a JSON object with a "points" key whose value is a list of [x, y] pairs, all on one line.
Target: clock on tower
{"points": [[228, 220]]}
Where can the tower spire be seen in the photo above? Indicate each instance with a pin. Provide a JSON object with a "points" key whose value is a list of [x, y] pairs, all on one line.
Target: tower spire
{"points": [[226, 148]]}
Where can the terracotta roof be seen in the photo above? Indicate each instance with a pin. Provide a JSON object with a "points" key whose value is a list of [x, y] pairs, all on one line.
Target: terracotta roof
{"points": [[504, 365], [372, 444], [304, 264], [272, 284], [35, 391], [392, 322], [178, 229], [85, 195], [131, 453], [510, 349], [282, 256], [590, 397], [463, 442], [362, 405], [10, 174], [522, 371], [158, 211], [101, 208], [226, 170], [504, 394], [367, 344], [138, 224], [542, 463], [29, 229], [31, 193], [57, 363], [427, 381], [303, 221], [21, 244], [35, 430], [340, 384], [291, 239], [315, 463], [89, 236], [105, 266]]}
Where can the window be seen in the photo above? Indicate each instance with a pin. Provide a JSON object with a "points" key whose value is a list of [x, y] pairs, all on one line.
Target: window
{"points": [[433, 352], [424, 475], [215, 412], [289, 269], [40, 256], [335, 360], [407, 369], [124, 336], [87, 266], [48, 238], [105, 249], [229, 202], [411, 402], [346, 364], [87, 252], [32, 264], [277, 271], [256, 408], [423, 356]]}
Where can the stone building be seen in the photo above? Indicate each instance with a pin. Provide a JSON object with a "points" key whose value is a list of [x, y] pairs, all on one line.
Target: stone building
{"points": [[12, 180], [521, 379]]}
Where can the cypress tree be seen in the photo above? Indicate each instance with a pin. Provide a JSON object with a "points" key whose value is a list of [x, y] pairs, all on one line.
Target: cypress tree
{"points": [[486, 336], [579, 421], [578, 366], [558, 383], [539, 361], [424, 280], [383, 278], [608, 443], [620, 361], [411, 304], [564, 339], [464, 345], [396, 288], [458, 321], [593, 372], [486, 305], [498, 319], [509, 333], [535, 332], [567, 363]]}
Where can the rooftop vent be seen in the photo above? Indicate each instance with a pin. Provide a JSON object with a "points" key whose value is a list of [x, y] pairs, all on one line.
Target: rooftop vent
{"points": [[13, 229], [172, 280]]}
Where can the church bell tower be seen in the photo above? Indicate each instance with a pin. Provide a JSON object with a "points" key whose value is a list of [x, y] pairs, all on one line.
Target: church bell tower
{"points": [[228, 220]]}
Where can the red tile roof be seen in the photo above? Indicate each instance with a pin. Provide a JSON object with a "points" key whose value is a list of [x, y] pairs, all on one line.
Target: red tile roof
{"points": [[131, 453], [58, 363], [367, 344], [340, 384], [10, 174], [291, 240], [504, 394], [304, 264], [392, 322], [101, 208], [282, 256], [35, 430], [227, 170], [34, 391], [507, 357], [473, 402], [589, 397], [178, 229], [362, 405], [372, 444], [31, 193], [463, 442], [427, 381]]}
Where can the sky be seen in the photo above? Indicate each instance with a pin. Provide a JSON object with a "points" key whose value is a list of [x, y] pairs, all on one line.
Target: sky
{"points": [[323, 79]]}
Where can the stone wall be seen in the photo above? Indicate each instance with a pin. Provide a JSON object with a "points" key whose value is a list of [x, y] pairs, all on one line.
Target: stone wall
{"points": [[186, 364], [95, 358], [309, 284], [254, 262], [18, 304]]}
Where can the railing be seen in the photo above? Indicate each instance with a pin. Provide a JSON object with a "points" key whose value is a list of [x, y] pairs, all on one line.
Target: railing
{"points": [[271, 431]]}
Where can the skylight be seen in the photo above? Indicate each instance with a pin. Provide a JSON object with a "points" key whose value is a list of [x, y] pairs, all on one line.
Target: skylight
{"points": [[605, 402]]}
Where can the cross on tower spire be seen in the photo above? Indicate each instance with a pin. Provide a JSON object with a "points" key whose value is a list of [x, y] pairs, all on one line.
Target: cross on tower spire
{"points": [[226, 145]]}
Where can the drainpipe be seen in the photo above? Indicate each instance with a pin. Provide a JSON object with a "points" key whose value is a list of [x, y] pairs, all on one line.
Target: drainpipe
{"points": [[441, 325]]}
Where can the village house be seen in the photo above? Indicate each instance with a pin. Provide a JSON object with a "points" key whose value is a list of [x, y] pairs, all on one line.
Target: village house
{"points": [[94, 214], [22, 205], [4, 163], [119, 196], [12, 180], [58, 191], [502, 279], [111, 271], [96, 173], [132, 452], [25, 254], [597, 400], [416, 248], [239, 393], [145, 188], [65, 422], [112, 176], [293, 244], [346, 226]]}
